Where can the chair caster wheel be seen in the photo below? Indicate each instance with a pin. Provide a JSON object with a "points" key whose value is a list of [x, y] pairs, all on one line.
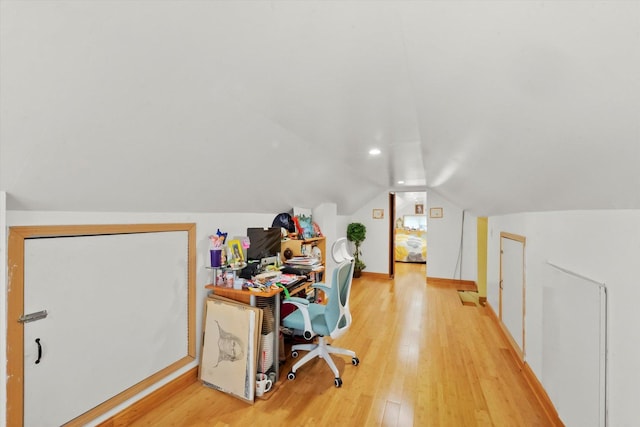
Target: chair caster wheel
{"points": [[291, 375], [355, 361], [294, 354], [337, 382]]}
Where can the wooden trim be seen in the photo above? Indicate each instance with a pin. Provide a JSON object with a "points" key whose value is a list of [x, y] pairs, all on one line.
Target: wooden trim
{"points": [[514, 349], [152, 400], [542, 396], [513, 236], [191, 304], [530, 377], [460, 285], [127, 394], [31, 231], [392, 235], [376, 275], [15, 305], [15, 336]]}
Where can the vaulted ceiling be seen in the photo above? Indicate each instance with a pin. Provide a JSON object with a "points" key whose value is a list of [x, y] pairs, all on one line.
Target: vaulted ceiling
{"points": [[258, 106]]}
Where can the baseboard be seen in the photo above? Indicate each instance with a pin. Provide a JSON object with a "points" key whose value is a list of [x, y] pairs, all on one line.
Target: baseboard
{"points": [[374, 275], [530, 377], [542, 396], [149, 402], [459, 285], [514, 350]]}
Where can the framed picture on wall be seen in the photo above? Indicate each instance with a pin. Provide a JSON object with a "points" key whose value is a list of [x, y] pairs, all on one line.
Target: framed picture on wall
{"points": [[419, 209], [378, 213], [435, 213]]}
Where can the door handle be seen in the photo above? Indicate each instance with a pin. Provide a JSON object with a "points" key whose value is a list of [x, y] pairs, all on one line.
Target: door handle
{"points": [[39, 350], [32, 317]]}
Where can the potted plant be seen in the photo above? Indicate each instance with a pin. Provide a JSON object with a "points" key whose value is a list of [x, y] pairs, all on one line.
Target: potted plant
{"points": [[356, 233]]}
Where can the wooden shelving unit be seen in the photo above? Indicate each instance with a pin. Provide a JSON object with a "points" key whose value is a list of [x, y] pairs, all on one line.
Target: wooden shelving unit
{"points": [[297, 245]]}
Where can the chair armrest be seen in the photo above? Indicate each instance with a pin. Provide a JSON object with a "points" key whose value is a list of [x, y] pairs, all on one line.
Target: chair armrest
{"points": [[322, 286], [297, 301], [302, 305]]}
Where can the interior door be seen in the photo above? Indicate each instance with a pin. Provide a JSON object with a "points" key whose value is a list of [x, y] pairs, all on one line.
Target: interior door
{"points": [[512, 288], [119, 302]]}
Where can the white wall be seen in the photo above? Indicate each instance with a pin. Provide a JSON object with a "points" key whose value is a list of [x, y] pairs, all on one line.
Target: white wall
{"points": [[325, 215], [3, 305], [375, 248], [406, 202], [602, 245], [444, 241]]}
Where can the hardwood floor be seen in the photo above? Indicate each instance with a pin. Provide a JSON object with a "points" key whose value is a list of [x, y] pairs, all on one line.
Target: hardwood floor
{"points": [[425, 360]]}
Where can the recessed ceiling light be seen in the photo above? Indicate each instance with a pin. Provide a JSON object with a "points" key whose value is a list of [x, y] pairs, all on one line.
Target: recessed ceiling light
{"points": [[400, 182], [375, 151]]}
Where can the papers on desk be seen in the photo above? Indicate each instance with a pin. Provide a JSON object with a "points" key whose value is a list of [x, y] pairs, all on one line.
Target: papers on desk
{"points": [[304, 263], [303, 260], [265, 283], [285, 279]]}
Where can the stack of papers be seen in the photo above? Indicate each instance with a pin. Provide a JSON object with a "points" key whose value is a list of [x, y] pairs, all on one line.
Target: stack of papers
{"points": [[304, 263]]}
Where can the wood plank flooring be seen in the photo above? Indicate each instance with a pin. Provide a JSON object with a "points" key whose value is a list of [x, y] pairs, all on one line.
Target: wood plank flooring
{"points": [[425, 360]]}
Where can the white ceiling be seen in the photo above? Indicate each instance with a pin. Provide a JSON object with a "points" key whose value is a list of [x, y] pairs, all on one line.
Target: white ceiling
{"points": [[258, 106]]}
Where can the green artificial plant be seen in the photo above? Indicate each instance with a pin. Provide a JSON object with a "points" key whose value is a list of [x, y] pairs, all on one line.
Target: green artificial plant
{"points": [[356, 233]]}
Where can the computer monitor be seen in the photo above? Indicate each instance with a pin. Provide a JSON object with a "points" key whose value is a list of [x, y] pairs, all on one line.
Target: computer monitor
{"points": [[264, 244]]}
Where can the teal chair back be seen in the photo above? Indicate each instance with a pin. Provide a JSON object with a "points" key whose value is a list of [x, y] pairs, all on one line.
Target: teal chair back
{"points": [[337, 314]]}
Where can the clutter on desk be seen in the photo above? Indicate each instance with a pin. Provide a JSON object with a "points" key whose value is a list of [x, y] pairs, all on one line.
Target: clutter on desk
{"points": [[285, 222], [217, 249], [305, 263]]}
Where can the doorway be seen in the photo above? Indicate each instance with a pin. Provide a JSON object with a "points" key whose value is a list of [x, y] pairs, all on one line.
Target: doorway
{"points": [[407, 229]]}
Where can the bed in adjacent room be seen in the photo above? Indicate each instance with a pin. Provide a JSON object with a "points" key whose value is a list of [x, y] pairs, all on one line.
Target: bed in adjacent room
{"points": [[411, 245]]}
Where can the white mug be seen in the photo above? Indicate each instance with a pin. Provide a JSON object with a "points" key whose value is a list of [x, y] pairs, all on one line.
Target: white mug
{"points": [[263, 384]]}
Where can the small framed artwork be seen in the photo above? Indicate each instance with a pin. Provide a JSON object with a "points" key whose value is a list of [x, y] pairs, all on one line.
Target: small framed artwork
{"points": [[435, 213], [419, 209], [235, 251], [378, 213]]}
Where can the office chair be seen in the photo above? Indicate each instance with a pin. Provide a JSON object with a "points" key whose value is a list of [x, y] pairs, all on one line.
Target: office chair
{"points": [[318, 320]]}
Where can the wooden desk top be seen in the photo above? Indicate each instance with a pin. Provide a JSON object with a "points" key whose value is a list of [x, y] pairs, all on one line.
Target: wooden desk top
{"points": [[244, 295]]}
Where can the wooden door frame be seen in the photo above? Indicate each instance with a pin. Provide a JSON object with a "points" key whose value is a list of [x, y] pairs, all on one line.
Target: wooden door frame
{"points": [[504, 235], [15, 308], [392, 238]]}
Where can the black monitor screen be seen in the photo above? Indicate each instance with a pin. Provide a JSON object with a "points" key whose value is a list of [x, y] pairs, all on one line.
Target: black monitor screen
{"points": [[263, 243]]}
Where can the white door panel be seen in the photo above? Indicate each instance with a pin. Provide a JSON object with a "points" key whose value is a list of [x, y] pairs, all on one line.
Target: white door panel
{"points": [[513, 289], [91, 335]]}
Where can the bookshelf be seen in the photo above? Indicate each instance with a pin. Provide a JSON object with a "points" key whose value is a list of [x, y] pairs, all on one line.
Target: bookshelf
{"points": [[300, 247], [309, 247]]}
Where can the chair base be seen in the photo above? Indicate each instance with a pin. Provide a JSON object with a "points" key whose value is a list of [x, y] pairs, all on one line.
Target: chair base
{"points": [[324, 351]]}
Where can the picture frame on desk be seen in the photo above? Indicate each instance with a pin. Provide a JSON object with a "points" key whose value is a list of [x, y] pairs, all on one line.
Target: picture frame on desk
{"points": [[235, 252]]}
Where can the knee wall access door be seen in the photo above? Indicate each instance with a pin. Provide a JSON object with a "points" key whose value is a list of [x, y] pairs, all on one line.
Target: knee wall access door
{"points": [[119, 315], [512, 288]]}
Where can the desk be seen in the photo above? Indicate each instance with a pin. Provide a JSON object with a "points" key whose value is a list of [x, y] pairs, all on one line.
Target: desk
{"points": [[250, 297]]}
